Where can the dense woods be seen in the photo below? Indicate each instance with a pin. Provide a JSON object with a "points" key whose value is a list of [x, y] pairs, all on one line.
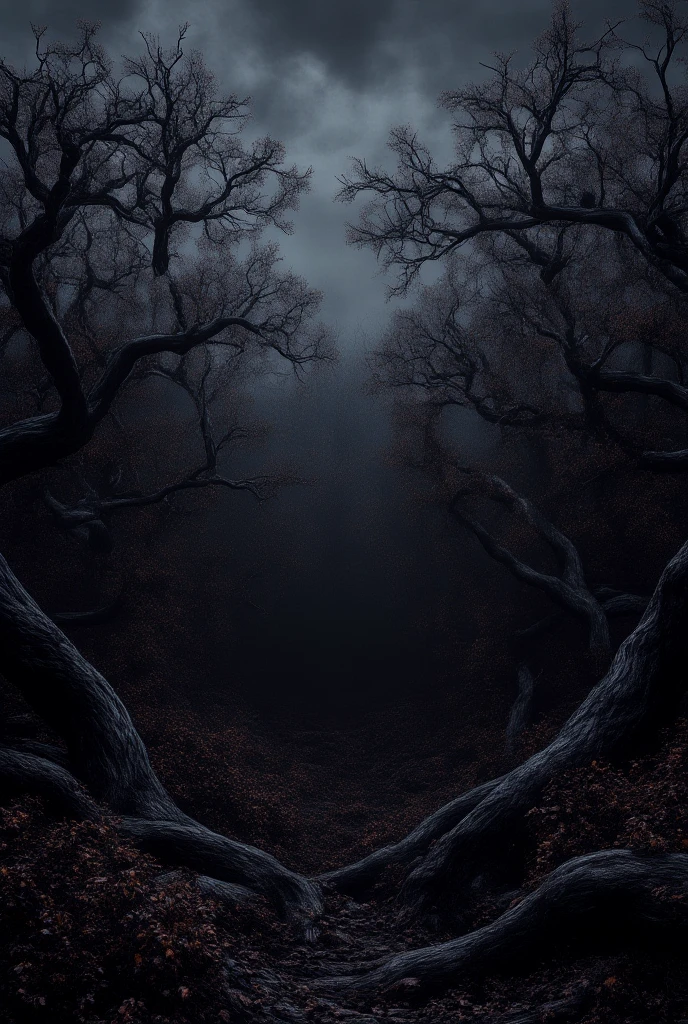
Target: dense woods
{"points": [[499, 831]]}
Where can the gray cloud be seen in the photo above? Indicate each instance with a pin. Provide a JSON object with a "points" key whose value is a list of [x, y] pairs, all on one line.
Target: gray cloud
{"points": [[16, 40], [329, 79]]}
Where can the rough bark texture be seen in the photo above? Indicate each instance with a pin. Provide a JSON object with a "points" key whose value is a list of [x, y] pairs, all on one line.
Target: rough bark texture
{"points": [[21, 772], [522, 711], [569, 590], [223, 892], [614, 893], [197, 847], [641, 688], [356, 878], [74, 699], [108, 756], [46, 751]]}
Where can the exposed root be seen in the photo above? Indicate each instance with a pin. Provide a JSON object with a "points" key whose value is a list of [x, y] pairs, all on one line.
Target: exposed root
{"points": [[640, 690], [21, 772], [356, 878], [614, 892], [217, 857], [108, 756]]}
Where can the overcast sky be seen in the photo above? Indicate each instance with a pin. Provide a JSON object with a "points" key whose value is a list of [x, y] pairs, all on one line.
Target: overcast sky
{"points": [[328, 78]]}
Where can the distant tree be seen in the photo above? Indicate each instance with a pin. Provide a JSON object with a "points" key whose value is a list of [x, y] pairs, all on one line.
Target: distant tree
{"points": [[129, 251], [528, 141], [539, 357]]}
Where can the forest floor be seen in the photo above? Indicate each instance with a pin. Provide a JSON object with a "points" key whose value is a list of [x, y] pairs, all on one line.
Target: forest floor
{"points": [[96, 932]]}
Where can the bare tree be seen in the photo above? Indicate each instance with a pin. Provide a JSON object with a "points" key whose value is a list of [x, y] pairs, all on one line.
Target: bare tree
{"points": [[109, 185], [575, 146], [539, 356], [551, 160], [154, 160], [576, 137]]}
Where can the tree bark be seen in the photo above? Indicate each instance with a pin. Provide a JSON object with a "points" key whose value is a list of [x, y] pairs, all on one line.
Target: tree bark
{"points": [[357, 878], [641, 689], [194, 846], [108, 756], [21, 772], [616, 894]]}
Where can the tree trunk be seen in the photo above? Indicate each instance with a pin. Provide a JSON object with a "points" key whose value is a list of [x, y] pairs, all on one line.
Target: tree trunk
{"points": [[615, 894], [108, 756], [357, 878], [641, 689]]}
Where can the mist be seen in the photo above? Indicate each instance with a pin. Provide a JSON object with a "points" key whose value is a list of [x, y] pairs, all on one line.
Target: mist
{"points": [[343, 571]]}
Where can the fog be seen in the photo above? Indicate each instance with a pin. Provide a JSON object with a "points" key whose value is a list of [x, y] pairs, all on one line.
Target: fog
{"points": [[347, 568]]}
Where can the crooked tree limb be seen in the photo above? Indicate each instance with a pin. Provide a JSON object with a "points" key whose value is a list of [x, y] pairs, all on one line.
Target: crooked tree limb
{"points": [[522, 711], [640, 690], [43, 440], [614, 604], [357, 878], [622, 381], [22, 772], [569, 590], [615, 892], [107, 754], [91, 509]]}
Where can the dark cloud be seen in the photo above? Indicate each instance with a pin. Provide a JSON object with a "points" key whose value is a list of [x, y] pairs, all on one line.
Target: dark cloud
{"points": [[62, 16], [346, 37], [329, 79], [16, 20], [373, 44]]}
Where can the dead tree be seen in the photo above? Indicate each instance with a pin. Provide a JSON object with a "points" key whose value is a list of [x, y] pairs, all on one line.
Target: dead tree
{"points": [[524, 141], [570, 590], [588, 344], [640, 691], [571, 333], [130, 167], [614, 894], [89, 514], [550, 159], [455, 484], [526, 138], [92, 153], [436, 352]]}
